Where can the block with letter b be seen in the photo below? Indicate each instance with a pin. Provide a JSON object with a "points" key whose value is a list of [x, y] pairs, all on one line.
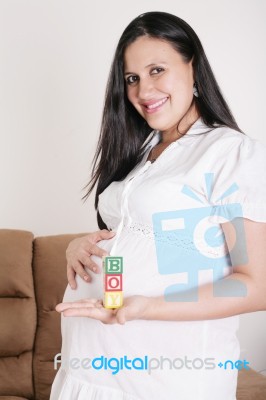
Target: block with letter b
{"points": [[113, 265], [112, 281]]}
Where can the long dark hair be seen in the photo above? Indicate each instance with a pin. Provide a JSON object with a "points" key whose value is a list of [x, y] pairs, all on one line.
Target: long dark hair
{"points": [[123, 130]]}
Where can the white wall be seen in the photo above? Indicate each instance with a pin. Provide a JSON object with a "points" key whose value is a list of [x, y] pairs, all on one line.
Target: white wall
{"points": [[54, 61]]}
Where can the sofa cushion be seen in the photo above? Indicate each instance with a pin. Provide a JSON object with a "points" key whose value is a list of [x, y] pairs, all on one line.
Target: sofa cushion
{"points": [[12, 398], [251, 385], [17, 313], [49, 270]]}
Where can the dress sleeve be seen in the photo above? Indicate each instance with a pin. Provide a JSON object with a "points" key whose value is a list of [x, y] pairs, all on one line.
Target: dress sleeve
{"points": [[239, 182]]}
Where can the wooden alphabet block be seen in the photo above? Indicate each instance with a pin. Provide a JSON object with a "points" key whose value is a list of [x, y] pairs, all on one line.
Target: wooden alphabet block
{"points": [[113, 265], [113, 281], [113, 299]]}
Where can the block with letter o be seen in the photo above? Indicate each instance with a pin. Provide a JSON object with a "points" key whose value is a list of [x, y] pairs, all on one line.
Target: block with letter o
{"points": [[113, 282]]}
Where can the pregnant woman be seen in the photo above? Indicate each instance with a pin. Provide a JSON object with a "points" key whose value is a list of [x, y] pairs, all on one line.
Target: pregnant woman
{"points": [[181, 196]]}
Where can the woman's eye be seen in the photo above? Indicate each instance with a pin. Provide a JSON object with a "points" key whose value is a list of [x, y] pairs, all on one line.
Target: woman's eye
{"points": [[131, 79], [156, 70]]}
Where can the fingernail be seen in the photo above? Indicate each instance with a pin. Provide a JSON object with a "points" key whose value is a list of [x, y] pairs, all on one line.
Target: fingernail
{"points": [[86, 278], [94, 269]]}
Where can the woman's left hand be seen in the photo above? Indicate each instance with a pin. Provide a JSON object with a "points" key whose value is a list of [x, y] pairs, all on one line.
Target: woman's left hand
{"points": [[134, 307]]}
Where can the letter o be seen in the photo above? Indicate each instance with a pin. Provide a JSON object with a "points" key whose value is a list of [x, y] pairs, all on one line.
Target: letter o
{"points": [[174, 363], [194, 362], [113, 286]]}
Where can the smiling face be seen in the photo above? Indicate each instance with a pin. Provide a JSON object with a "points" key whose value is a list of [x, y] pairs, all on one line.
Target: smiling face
{"points": [[160, 84]]}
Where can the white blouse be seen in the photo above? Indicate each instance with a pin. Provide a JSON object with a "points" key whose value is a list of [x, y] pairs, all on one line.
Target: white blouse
{"points": [[167, 217]]}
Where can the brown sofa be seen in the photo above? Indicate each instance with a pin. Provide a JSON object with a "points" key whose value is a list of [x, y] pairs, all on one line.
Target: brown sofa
{"points": [[32, 282]]}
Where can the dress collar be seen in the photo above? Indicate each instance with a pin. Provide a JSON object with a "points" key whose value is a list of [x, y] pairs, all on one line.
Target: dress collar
{"points": [[197, 128]]}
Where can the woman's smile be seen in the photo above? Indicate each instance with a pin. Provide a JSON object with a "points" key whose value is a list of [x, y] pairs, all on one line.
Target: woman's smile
{"points": [[153, 106]]}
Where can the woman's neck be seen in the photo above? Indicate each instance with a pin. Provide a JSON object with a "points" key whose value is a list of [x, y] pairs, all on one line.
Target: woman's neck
{"points": [[174, 133]]}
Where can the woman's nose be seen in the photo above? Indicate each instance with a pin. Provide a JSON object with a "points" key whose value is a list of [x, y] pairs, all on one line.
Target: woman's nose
{"points": [[145, 89]]}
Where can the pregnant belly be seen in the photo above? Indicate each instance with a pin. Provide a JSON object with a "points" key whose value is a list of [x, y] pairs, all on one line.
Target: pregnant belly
{"points": [[140, 270], [141, 275]]}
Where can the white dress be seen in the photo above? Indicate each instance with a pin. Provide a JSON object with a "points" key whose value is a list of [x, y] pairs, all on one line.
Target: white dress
{"points": [[167, 216]]}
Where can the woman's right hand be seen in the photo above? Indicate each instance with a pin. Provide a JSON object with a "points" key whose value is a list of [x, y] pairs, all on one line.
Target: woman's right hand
{"points": [[78, 255]]}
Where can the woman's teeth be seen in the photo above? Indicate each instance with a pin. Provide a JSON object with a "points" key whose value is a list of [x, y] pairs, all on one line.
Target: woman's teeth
{"points": [[159, 103]]}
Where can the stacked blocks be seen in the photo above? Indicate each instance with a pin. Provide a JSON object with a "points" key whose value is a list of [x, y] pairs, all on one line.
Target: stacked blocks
{"points": [[112, 281]]}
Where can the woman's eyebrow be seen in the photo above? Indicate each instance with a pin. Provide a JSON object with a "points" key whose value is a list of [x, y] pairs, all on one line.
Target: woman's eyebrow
{"points": [[147, 66]]}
